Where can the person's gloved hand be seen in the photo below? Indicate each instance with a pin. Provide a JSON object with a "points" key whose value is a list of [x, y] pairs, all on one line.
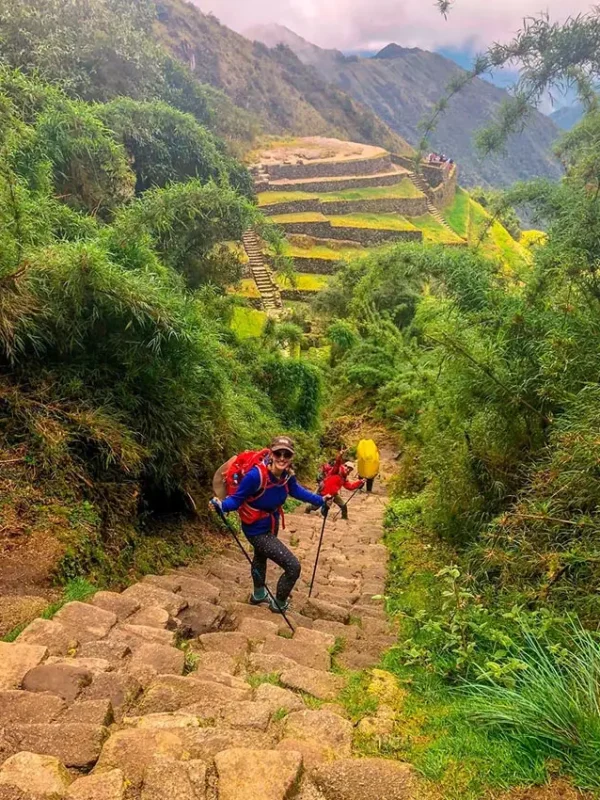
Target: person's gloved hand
{"points": [[328, 499], [215, 503]]}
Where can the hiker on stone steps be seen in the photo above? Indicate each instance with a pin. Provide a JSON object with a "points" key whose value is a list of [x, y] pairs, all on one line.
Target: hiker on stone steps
{"points": [[258, 499], [335, 476]]}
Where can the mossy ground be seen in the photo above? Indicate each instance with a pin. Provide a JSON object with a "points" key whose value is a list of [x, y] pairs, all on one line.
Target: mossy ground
{"points": [[304, 282], [248, 322]]}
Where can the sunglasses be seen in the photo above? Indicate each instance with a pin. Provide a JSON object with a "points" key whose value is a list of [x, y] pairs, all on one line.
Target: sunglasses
{"points": [[283, 454]]}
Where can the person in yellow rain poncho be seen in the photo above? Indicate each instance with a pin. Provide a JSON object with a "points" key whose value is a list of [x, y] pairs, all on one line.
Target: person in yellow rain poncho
{"points": [[367, 458]]}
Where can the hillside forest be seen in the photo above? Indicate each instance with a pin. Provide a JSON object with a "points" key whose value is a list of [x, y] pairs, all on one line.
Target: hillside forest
{"points": [[124, 382]]}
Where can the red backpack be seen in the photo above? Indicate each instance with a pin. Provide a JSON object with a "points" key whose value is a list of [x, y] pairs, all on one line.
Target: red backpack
{"points": [[229, 476]]}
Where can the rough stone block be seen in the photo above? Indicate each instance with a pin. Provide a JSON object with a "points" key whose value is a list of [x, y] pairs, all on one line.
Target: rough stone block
{"points": [[86, 621], [252, 714], [16, 660], [113, 652], [170, 583], [247, 774], [51, 634], [74, 744], [323, 728], [134, 636], [318, 609], [366, 779], [20, 707], [104, 786], [64, 680], [119, 688], [307, 654], [171, 692], [278, 698], [314, 637], [236, 644], [258, 628], [116, 603], [156, 659], [180, 780], [147, 594], [196, 589], [201, 617], [151, 616], [322, 685], [90, 712], [41, 775]]}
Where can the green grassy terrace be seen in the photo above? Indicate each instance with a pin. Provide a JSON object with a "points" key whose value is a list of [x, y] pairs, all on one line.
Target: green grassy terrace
{"points": [[307, 216], [393, 222], [433, 231], [248, 322], [471, 221], [324, 252], [304, 282], [400, 190]]}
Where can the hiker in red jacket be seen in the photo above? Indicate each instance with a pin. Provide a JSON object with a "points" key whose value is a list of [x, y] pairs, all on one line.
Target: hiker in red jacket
{"points": [[335, 476]]}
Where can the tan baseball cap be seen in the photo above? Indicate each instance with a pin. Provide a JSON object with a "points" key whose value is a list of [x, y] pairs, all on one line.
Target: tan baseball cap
{"points": [[282, 443]]}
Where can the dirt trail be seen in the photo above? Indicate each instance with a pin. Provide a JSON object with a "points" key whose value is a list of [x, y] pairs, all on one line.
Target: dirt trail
{"points": [[101, 704]]}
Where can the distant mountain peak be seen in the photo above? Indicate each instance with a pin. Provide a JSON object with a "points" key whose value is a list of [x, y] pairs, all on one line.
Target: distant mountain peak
{"points": [[394, 50]]}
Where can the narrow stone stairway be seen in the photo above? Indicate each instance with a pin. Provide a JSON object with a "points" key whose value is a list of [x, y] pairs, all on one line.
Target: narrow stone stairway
{"points": [[269, 291], [422, 185], [178, 689]]}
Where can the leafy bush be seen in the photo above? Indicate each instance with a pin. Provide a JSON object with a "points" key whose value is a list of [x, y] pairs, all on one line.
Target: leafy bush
{"points": [[167, 145]]}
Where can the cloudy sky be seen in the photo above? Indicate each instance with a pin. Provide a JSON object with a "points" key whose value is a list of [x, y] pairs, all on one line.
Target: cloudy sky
{"points": [[368, 24]]}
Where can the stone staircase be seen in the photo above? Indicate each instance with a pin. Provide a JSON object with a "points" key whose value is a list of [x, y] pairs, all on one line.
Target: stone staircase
{"points": [[178, 689], [269, 291], [422, 185]]}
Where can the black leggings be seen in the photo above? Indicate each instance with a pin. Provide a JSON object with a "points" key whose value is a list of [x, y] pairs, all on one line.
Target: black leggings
{"points": [[267, 546]]}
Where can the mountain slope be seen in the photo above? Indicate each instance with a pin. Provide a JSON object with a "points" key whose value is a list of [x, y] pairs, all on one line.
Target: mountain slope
{"points": [[402, 85], [285, 94], [568, 116]]}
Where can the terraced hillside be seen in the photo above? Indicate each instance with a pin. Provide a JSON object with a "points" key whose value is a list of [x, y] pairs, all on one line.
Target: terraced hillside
{"points": [[336, 199]]}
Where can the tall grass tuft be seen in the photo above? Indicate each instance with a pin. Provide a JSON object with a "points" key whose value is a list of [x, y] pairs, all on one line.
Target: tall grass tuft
{"points": [[554, 708]]}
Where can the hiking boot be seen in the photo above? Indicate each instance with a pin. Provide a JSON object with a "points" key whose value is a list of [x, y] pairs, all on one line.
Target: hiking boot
{"points": [[279, 608], [258, 597]]}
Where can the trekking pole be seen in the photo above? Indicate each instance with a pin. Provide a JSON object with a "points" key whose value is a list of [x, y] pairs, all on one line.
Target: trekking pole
{"points": [[312, 580], [231, 530], [356, 491]]}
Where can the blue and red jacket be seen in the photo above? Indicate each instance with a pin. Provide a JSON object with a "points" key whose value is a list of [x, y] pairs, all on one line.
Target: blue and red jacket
{"points": [[269, 501]]}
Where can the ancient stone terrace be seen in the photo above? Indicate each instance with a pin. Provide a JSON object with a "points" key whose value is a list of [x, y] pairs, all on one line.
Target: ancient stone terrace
{"points": [[331, 197]]}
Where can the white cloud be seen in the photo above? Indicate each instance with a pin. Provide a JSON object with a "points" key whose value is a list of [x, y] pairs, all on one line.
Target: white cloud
{"points": [[358, 24]]}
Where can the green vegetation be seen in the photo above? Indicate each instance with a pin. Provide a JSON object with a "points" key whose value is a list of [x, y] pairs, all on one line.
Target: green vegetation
{"points": [[378, 221], [305, 282], [472, 222], [324, 252], [405, 188], [123, 381], [457, 213], [482, 360], [306, 216], [248, 322], [433, 231], [273, 198]]}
